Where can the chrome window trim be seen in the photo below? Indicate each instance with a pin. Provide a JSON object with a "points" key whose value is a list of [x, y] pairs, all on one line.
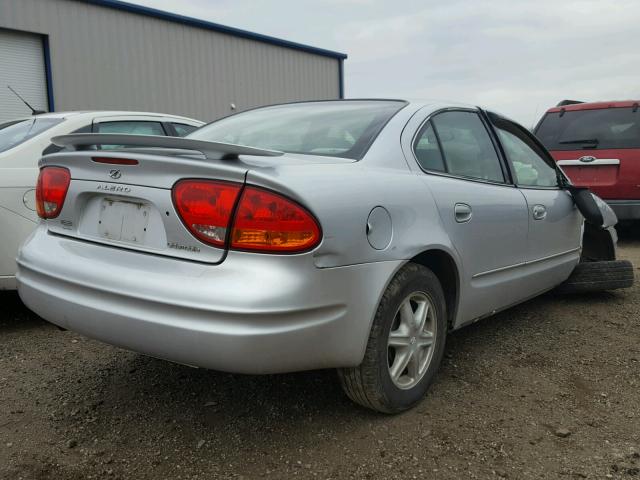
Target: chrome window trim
{"points": [[510, 164], [414, 138]]}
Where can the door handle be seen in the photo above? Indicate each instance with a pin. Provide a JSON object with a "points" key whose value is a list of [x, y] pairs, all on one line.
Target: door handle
{"points": [[462, 212], [539, 212]]}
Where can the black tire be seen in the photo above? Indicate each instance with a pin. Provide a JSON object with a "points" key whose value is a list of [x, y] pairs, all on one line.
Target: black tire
{"points": [[599, 276], [370, 383]]}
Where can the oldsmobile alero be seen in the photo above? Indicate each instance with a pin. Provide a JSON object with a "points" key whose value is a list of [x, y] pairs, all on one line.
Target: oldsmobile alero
{"points": [[338, 234]]}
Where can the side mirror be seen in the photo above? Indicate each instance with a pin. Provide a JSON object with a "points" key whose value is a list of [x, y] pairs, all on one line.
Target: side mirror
{"points": [[595, 211]]}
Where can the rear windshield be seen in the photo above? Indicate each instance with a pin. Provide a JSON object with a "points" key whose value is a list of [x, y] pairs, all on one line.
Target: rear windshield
{"points": [[16, 133], [337, 129], [597, 129]]}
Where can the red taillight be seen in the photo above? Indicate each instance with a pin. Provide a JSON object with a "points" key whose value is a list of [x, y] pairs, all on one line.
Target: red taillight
{"points": [[205, 207], [263, 221], [268, 222], [51, 190]]}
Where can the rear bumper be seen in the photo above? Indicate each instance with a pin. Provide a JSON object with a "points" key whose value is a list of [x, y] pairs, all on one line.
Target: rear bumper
{"points": [[251, 314], [625, 209]]}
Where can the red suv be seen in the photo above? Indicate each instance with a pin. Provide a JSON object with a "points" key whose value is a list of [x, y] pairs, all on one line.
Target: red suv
{"points": [[598, 146]]}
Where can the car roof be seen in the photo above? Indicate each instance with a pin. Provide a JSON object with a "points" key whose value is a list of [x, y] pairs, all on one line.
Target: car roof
{"points": [[411, 105], [596, 105], [106, 113], [426, 102], [417, 102]]}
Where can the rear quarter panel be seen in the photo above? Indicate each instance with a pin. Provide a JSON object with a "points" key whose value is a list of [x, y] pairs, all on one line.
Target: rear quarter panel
{"points": [[343, 196]]}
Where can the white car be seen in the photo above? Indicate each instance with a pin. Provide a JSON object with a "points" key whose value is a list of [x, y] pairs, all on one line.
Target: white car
{"points": [[22, 143]]}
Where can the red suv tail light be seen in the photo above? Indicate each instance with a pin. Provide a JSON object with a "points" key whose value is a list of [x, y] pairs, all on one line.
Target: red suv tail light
{"points": [[268, 222], [205, 207], [51, 190], [260, 220]]}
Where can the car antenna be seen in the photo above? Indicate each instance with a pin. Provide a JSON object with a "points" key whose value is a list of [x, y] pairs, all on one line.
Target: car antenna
{"points": [[33, 110]]}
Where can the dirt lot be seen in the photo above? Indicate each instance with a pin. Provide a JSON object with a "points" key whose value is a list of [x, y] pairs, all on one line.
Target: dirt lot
{"points": [[549, 389]]}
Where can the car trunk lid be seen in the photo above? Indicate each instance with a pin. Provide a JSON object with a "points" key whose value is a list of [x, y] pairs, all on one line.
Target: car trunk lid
{"points": [[131, 206], [125, 198]]}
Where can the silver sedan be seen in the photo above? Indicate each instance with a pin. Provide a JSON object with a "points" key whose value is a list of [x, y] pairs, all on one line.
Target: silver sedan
{"points": [[341, 234]]}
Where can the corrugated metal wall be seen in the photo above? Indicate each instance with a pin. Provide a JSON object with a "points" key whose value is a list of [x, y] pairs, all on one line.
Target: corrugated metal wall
{"points": [[21, 67], [102, 58]]}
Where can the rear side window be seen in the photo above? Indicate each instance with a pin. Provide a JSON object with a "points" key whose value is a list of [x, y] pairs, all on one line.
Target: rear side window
{"points": [[182, 129], [19, 132], [466, 146], [427, 150], [130, 128], [597, 129]]}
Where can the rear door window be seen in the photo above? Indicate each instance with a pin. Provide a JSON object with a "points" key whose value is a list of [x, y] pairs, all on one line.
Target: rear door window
{"points": [[606, 128], [467, 147], [531, 165]]}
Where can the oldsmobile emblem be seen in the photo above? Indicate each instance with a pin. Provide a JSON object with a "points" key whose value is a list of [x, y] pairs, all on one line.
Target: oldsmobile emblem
{"points": [[587, 159], [115, 174]]}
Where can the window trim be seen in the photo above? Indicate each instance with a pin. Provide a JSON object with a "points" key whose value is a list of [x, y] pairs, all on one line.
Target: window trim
{"points": [[169, 129], [416, 139], [546, 157], [508, 179]]}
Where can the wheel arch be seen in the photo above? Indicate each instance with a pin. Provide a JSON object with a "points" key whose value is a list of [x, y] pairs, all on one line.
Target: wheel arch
{"points": [[443, 265]]}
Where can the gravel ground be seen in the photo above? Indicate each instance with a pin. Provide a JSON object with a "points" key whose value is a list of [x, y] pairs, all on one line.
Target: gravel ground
{"points": [[549, 389]]}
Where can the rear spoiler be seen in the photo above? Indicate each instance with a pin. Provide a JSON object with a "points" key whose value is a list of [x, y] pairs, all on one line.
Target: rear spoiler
{"points": [[211, 150]]}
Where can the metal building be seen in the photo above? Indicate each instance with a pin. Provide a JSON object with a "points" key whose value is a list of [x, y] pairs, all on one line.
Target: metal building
{"points": [[107, 54]]}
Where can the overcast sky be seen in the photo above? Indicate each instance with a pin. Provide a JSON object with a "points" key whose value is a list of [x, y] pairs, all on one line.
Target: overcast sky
{"points": [[518, 57]]}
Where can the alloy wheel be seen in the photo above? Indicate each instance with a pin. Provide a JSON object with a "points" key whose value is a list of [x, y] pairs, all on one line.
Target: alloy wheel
{"points": [[411, 340]]}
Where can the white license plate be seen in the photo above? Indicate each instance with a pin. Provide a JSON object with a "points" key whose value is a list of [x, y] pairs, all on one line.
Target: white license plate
{"points": [[123, 221]]}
